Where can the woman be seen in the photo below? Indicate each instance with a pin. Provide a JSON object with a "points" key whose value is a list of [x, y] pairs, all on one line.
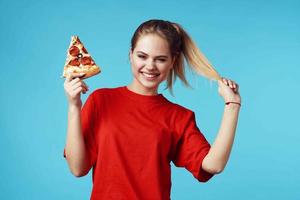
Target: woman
{"points": [[130, 134]]}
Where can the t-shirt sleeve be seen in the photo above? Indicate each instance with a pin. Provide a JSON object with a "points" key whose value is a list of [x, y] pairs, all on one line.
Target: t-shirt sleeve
{"points": [[191, 149], [88, 116]]}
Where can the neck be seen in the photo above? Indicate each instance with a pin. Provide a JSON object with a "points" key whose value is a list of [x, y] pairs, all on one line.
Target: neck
{"points": [[142, 90]]}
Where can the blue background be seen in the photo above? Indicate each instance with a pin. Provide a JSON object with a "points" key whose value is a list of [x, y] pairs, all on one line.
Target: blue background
{"points": [[255, 43]]}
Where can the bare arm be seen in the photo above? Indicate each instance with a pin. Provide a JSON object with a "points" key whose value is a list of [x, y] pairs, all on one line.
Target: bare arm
{"points": [[216, 159], [75, 148], [76, 155]]}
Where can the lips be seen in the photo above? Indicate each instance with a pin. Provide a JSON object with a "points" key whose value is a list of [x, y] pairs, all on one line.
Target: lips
{"points": [[150, 75]]}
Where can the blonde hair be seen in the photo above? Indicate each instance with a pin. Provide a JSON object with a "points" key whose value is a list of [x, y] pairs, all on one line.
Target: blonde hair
{"points": [[182, 48]]}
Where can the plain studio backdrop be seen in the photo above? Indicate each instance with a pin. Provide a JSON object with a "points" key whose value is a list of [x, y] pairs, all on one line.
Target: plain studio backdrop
{"points": [[255, 43]]}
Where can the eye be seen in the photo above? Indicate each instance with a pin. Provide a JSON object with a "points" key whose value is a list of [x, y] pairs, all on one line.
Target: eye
{"points": [[142, 56], [161, 60]]}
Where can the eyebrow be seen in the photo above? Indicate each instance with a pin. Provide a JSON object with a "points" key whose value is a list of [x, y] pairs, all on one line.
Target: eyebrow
{"points": [[163, 56]]}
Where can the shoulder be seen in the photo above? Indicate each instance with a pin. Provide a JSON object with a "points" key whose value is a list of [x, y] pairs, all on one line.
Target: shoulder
{"points": [[100, 92], [102, 97], [179, 115], [179, 110], [181, 118]]}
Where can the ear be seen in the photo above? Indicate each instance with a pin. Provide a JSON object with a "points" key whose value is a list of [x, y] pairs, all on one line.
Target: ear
{"points": [[130, 55]]}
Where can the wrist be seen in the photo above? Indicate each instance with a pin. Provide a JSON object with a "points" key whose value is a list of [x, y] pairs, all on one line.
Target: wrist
{"points": [[233, 102], [236, 100], [232, 105], [75, 107]]}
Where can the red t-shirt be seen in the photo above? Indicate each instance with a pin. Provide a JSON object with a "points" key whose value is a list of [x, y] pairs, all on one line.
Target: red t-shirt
{"points": [[132, 138]]}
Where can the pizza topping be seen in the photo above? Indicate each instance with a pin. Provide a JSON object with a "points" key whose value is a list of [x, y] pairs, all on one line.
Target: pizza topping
{"points": [[74, 62], [79, 55], [74, 51], [78, 40], [84, 50], [86, 60]]}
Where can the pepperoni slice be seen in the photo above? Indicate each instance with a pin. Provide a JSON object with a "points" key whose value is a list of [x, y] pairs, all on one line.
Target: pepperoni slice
{"points": [[86, 60], [78, 41], [74, 51], [84, 50], [74, 62]]}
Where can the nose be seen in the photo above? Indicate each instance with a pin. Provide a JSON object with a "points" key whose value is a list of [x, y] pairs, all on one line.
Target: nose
{"points": [[150, 65]]}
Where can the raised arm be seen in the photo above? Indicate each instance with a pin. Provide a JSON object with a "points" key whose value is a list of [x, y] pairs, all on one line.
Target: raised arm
{"points": [[215, 161], [75, 152]]}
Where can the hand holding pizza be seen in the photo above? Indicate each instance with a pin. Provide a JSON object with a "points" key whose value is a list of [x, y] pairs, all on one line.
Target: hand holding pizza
{"points": [[73, 86], [79, 65]]}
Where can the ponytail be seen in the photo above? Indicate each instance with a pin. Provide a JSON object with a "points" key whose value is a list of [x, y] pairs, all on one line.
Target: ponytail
{"points": [[194, 58]]}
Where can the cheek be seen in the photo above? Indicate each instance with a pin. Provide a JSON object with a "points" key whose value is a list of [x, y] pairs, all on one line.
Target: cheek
{"points": [[165, 68], [136, 67], [137, 64]]}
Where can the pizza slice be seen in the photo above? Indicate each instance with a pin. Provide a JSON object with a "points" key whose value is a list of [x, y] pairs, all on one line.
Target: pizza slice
{"points": [[79, 60]]}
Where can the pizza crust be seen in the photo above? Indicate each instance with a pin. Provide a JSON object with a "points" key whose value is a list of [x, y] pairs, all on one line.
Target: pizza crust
{"points": [[93, 70]]}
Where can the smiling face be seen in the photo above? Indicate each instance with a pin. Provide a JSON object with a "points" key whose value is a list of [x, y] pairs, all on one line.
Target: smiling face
{"points": [[151, 62]]}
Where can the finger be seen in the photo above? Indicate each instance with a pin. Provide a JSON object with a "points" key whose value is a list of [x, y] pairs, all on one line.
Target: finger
{"points": [[234, 85], [79, 84], [87, 87], [78, 90], [237, 88], [224, 81], [230, 83], [84, 91], [75, 81], [68, 77], [73, 75]]}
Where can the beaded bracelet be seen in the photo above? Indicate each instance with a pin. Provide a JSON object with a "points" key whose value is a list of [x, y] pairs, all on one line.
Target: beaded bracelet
{"points": [[233, 102]]}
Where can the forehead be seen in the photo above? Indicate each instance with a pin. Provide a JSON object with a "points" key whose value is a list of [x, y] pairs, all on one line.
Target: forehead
{"points": [[152, 44]]}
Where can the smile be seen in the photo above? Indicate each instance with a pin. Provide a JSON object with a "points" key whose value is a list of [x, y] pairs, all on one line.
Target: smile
{"points": [[148, 75]]}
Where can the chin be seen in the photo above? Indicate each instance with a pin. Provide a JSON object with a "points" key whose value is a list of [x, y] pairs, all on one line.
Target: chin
{"points": [[149, 85]]}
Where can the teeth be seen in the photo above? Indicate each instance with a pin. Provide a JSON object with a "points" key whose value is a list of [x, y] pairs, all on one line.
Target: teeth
{"points": [[149, 75]]}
